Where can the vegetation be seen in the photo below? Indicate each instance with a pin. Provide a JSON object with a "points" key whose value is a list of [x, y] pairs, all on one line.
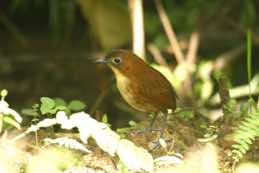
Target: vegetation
{"points": [[60, 110]]}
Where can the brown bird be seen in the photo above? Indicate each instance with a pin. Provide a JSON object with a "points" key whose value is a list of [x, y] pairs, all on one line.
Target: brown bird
{"points": [[143, 87]]}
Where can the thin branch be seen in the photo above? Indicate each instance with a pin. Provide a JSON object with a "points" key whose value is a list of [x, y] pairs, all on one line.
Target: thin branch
{"points": [[157, 55], [239, 91], [103, 94], [223, 91], [193, 48], [136, 13], [170, 32]]}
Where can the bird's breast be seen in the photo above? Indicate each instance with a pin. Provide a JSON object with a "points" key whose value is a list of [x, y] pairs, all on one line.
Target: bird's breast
{"points": [[129, 91]]}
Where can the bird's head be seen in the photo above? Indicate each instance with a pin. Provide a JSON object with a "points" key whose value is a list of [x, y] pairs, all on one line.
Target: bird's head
{"points": [[122, 61]]}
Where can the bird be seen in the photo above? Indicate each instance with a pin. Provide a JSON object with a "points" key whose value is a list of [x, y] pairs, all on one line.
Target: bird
{"points": [[141, 86]]}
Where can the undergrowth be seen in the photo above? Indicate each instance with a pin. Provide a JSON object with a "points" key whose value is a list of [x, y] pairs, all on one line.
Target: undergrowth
{"points": [[248, 129], [245, 134]]}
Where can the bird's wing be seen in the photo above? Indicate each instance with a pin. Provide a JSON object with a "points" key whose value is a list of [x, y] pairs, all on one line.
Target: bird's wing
{"points": [[157, 90]]}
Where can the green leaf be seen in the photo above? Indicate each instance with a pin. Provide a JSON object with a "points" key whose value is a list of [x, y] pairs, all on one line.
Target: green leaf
{"points": [[67, 111], [105, 118], [12, 122], [30, 112], [48, 102], [61, 108], [46, 105], [76, 105], [186, 114], [58, 108], [60, 102], [35, 106], [123, 130], [132, 123], [122, 167]]}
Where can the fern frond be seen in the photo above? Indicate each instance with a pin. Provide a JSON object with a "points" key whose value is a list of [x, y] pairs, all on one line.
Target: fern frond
{"points": [[245, 135]]}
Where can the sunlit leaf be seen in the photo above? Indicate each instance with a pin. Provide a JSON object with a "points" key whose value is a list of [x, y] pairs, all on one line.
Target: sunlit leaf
{"points": [[76, 105], [132, 123], [30, 112], [12, 122], [60, 102], [46, 105], [105, 118]]}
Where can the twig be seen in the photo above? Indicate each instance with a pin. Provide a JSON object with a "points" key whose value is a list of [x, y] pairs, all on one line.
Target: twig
{"points": [[193, 48], [100, 99], [136, 13], [36, 138], [190, 61], [223, 90], [239, 91], [170, 32], [157, 55]]}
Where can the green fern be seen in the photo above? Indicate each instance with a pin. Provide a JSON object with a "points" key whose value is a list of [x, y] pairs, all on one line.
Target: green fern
{"points": [[245, 135], [248, 130]]}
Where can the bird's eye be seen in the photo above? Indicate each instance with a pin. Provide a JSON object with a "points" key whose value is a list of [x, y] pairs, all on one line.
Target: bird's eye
{"points": [[116, 60]]}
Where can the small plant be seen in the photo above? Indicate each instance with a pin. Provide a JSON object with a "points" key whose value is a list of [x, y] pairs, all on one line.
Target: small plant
{"points": [[8, 116], [248, 130], [105, 120], [125, 130], [49, 107], [246, 133]]}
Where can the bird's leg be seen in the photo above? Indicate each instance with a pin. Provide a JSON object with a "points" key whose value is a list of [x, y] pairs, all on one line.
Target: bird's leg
{"points": [[164, 124], [150, 128], [153, 121], [157, 142]]}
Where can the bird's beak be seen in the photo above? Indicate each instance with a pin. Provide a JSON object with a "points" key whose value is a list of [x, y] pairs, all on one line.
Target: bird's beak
{"points": [[101, 61]]}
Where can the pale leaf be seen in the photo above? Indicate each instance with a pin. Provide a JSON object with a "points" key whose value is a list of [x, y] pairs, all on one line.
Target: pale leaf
{"points": [[134, 157], [105, 138], [68, 143]]}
